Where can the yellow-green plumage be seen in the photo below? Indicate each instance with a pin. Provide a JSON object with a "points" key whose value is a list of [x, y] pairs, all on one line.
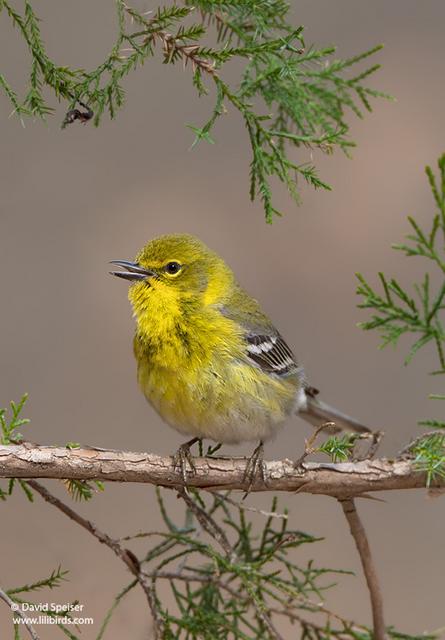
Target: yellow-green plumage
{"points": [[191, 352], [209, 361]]}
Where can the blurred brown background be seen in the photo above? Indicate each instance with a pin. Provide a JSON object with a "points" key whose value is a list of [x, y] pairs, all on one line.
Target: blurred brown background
{"points": [[72, 200]]}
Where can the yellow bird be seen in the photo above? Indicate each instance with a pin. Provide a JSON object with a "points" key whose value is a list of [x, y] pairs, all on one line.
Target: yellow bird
{"points": [[209, 360]]}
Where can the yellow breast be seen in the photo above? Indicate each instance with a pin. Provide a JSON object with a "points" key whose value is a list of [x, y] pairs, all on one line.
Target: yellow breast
{"points": [[201, 383]]}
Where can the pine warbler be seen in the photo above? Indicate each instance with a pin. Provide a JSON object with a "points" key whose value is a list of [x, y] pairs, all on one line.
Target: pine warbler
{"points": [[208, 359]]}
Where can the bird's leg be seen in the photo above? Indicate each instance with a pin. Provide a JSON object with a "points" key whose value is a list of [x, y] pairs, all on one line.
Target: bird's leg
{"points": [[182, 456], [254, 466]]}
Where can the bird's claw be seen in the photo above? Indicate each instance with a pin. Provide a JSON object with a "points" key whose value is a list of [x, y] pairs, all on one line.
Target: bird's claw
{"points": [[182, 457]]}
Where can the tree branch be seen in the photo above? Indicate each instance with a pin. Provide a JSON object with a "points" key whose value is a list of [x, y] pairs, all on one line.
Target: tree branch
{"points": [[340, 480], [361, 541], [4, 596]]}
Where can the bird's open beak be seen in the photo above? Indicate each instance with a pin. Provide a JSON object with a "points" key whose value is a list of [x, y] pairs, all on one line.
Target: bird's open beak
{"points": [[131, 271]]}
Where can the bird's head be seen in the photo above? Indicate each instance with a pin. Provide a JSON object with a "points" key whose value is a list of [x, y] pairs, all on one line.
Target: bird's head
{"points": [[172, 270]]}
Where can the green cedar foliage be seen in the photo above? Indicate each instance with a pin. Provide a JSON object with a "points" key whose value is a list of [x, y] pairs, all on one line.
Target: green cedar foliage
{"points": [[291, 97], [239, 577], [397, 311], [9, 425]]}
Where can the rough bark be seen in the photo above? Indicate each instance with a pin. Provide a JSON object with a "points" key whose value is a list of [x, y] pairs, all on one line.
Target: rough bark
{"points": [[339, 480]]}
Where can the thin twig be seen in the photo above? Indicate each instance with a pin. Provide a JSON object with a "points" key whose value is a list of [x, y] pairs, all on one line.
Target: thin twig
{"points": [[268, 622], [180, 575], [125, 555], [170, 45], [376, 438], [4, 596], [347, 624], [407, 449], [361, 541], [208, 524], [309, 443], [243, 507], [309, 624], [141, 534]]}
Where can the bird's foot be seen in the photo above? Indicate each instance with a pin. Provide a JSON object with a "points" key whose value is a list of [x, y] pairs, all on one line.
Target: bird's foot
{"points": [[184, 456], [211, 450], [254, 468]]}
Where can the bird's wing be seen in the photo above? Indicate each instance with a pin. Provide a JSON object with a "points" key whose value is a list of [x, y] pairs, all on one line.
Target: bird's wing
{"points": [[271, 353], [265, 347]]}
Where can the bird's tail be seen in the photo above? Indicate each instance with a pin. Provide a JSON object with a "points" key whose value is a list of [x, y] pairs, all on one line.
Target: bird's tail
{"points": [[316, 412]]}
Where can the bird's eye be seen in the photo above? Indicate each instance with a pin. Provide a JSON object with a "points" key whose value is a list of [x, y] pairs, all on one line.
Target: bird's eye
{"points": [[172, 268]]}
